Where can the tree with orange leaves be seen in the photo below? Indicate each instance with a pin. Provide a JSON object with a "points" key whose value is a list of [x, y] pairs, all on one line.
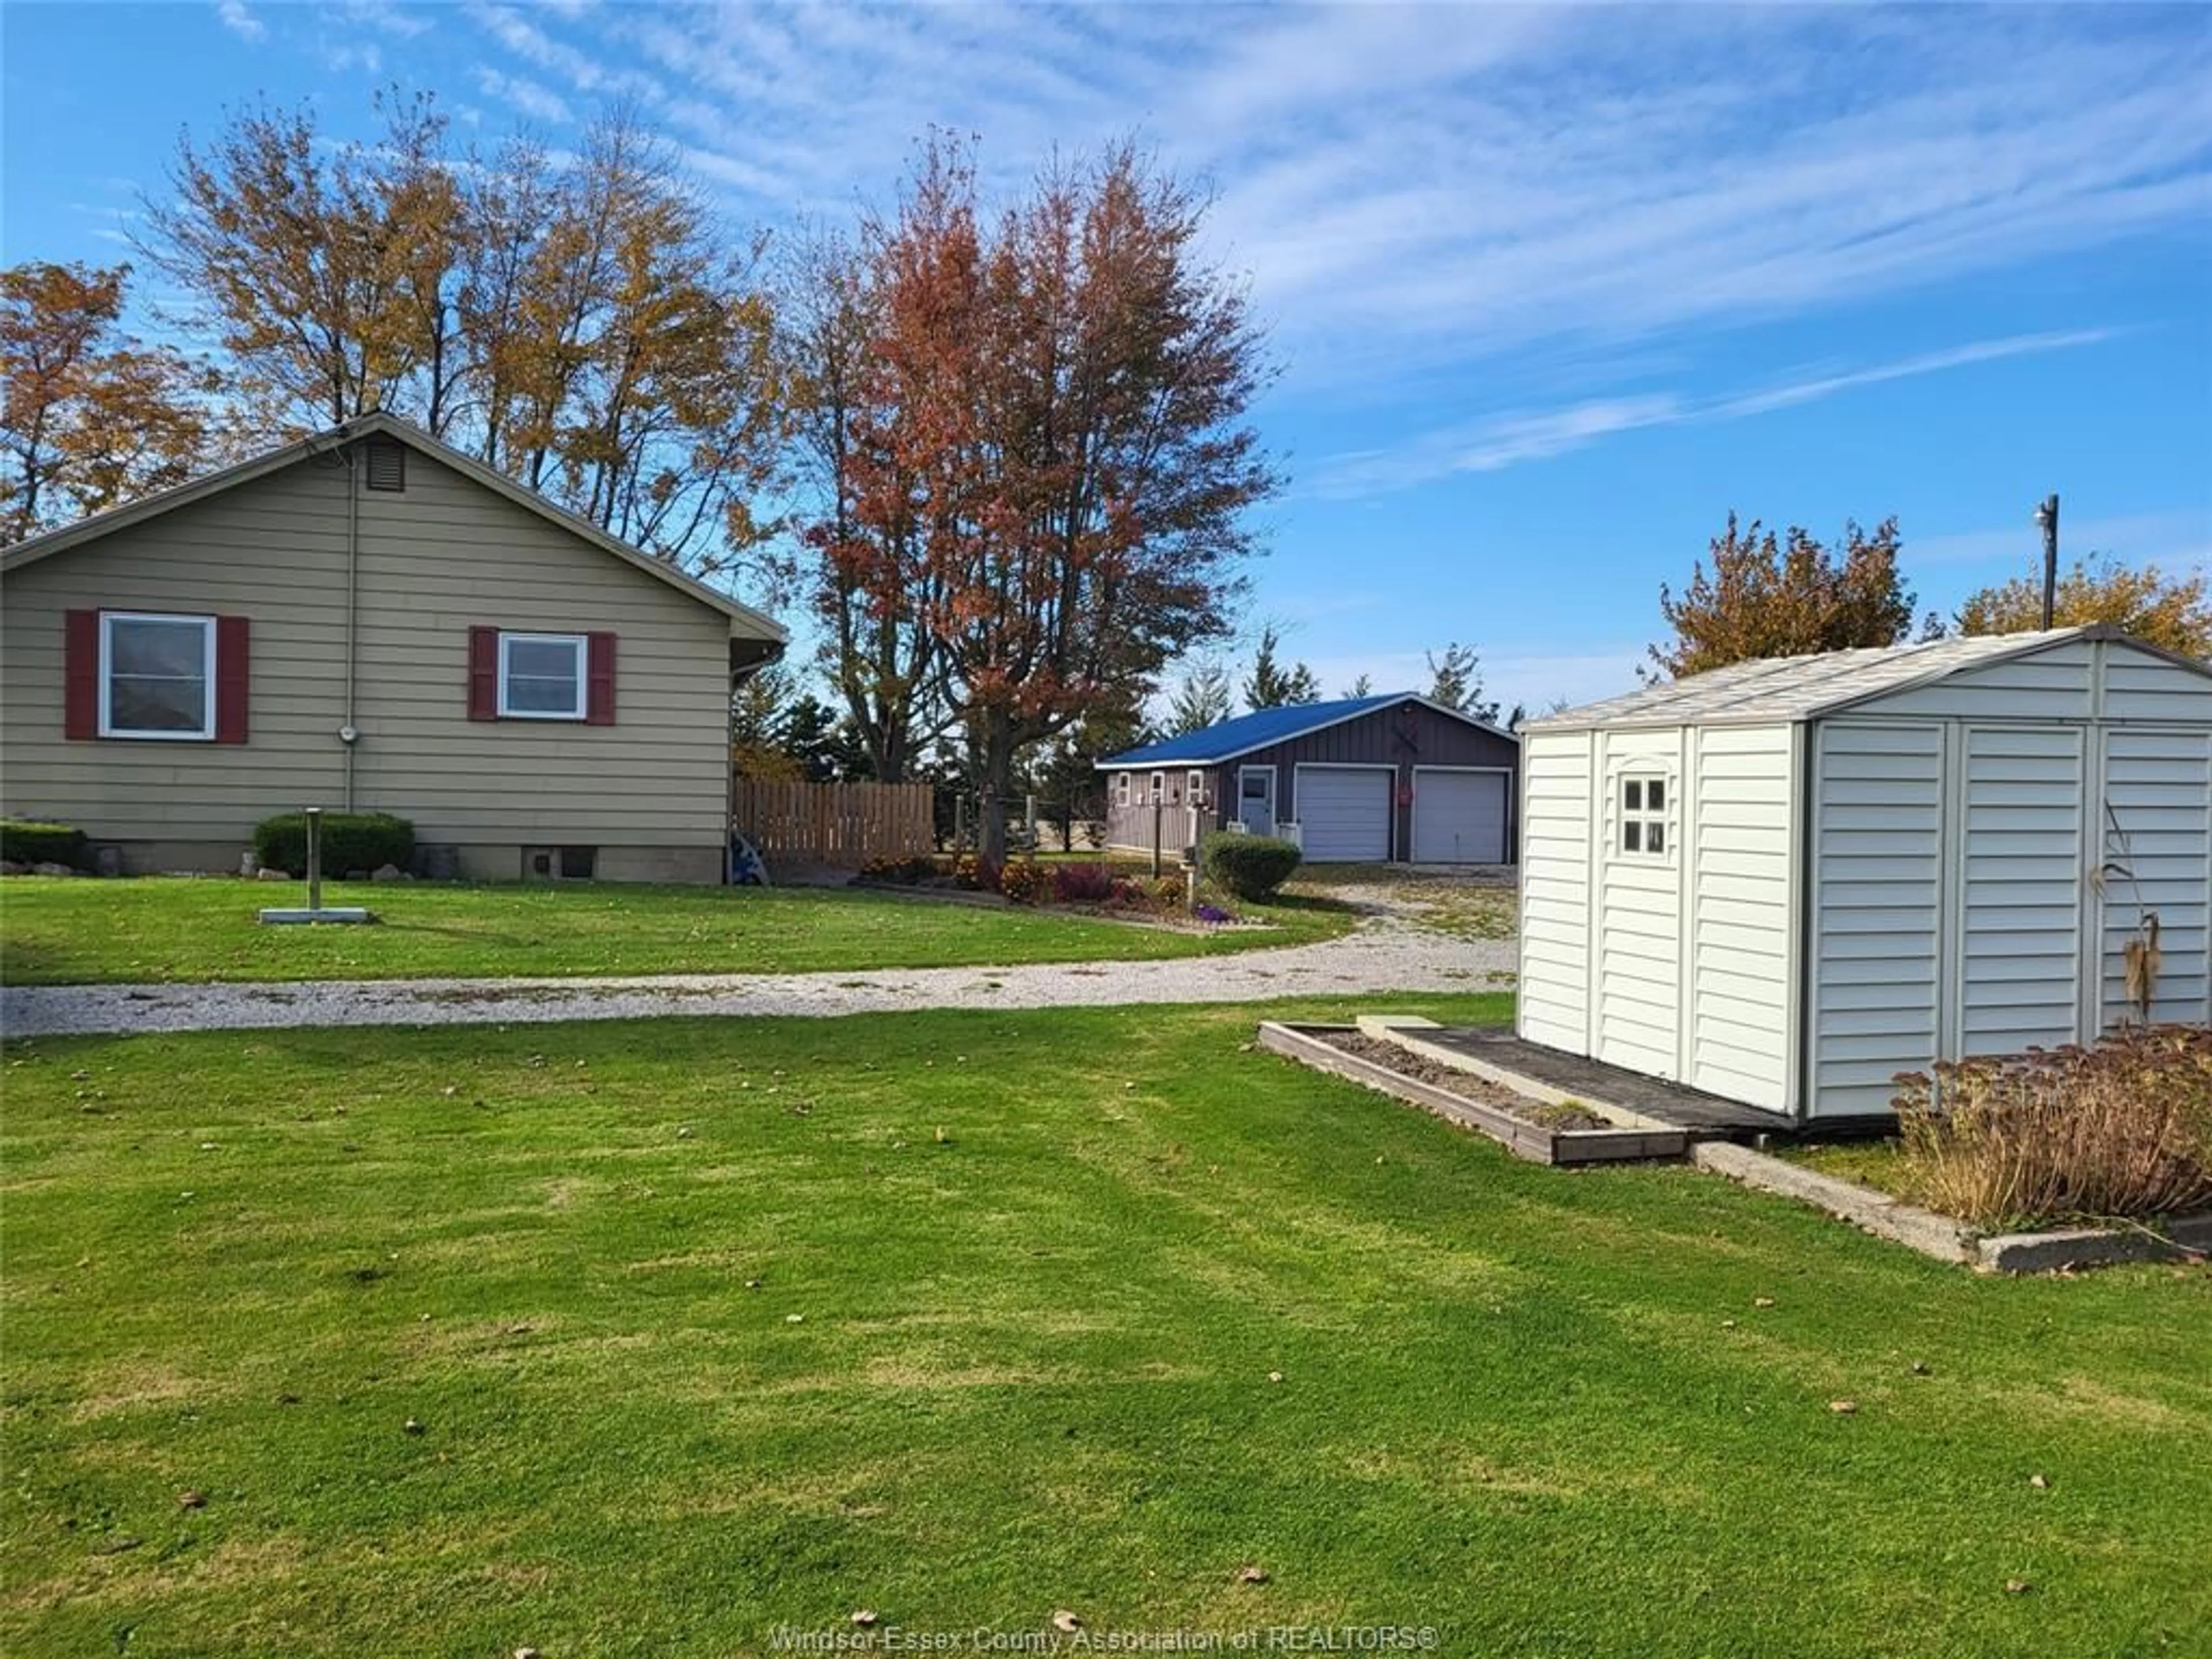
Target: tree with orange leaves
{"points": [[1765, 597], [1050, 461], [91, 415]]}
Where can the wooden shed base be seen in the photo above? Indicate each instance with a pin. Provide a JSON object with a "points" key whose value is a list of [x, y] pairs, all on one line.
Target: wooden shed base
{"points": [[1310, 1045]]}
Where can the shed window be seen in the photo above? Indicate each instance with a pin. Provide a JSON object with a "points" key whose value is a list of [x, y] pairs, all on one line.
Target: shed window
{"points": [[1194, 790], [1159, 786], [1121, 789], [156, 675], [541, 676], [1644, 815]]}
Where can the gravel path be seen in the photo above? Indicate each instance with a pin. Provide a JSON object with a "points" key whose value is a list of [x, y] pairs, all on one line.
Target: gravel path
{"points": [[1384, 954]]}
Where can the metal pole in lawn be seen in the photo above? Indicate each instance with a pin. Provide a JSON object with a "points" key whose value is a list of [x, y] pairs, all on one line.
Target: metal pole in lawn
{"points": [[314, 859]]}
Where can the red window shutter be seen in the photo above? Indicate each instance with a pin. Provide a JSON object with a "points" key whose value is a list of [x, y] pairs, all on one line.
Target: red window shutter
{"points": [[600, 705], [80, 675], [234, 677], [483, 673]]}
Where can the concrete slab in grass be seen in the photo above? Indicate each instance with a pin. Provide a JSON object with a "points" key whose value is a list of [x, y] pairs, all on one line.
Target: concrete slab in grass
{"points": [[1924, 1230], [2179, 1239], [1948, 1239]]}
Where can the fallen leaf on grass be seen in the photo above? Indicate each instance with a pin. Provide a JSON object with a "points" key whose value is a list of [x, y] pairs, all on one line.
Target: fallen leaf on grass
{"points": [[191, 1499], [1066, 1622], [863, 1617], [1762, 1302], [1253, 1576], [2038, 1482], [2017, 1587], [1844, 1408]]}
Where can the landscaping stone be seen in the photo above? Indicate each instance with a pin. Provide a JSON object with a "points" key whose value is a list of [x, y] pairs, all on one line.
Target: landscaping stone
{"points": [[2094, 1246], [266, 874], [1924, 1230], [389, 873], [1948, 1239], [10, 867], [51, 869]]}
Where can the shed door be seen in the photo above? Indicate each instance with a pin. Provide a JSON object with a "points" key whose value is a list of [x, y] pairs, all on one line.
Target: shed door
{"points": [[1344, 813], [1459, 817], [2021, 972]]}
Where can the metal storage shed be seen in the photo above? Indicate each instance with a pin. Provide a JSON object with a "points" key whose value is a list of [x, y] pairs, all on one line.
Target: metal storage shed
{"points": [[1785, 881]]}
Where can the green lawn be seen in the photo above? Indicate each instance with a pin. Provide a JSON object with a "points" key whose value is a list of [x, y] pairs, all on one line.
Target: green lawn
{"points": [[713, 1326], [56, 930]]}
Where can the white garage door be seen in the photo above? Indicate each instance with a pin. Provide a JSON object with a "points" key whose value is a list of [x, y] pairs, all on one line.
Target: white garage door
{"points": [[1459, 817], [1344, 815]]}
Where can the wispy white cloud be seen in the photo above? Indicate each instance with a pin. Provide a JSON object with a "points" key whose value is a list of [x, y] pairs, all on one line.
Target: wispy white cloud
{"points": [[586, 71], [1425, 186], [237, 17], [1500, 442], [527, 97]]}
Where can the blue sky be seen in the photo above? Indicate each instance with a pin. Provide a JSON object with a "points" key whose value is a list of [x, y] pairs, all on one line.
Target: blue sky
{"points": [[1553, 288]]}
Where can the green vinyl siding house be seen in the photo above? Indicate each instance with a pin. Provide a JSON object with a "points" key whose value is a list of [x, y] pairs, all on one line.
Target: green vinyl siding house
{"points": [[368, 620]]}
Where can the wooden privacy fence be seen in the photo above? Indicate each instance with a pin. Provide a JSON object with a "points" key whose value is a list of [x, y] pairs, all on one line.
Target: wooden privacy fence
{"points": [[841, 825]]}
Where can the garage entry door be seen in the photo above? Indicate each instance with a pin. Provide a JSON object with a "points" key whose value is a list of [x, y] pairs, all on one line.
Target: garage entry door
{"points": [[1459, 817], [1344, 814]]}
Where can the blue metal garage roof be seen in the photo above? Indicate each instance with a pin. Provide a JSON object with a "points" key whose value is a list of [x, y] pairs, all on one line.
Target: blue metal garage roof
{"points": [[1241, 736]]}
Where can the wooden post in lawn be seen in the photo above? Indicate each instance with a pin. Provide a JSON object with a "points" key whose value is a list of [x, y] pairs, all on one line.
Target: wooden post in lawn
{"points": [[1158, 808], [315, 858]]}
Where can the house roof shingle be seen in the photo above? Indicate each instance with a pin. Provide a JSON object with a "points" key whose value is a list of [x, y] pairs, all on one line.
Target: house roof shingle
{"points": [[746, 622]]}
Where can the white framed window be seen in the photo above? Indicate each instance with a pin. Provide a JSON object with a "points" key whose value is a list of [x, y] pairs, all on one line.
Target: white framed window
{"points": [[1643, 805], [1121, 789], [1194, 788], [156, 675], [1159, 786], [543, 676]]}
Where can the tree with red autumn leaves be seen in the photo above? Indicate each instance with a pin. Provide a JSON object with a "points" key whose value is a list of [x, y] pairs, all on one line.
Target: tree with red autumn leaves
{"points": [[1039, 477]]}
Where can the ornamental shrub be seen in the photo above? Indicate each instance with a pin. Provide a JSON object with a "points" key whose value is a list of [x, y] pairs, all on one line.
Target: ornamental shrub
{"points": [[1251, 867], [351, 841], [1082, 883], [26, 841], [899, 872], [2123, 1128], [1025, 881]]}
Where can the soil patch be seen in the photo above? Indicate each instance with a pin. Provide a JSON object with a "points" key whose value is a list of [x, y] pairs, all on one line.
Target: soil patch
{"points": [[1466, 1084]]}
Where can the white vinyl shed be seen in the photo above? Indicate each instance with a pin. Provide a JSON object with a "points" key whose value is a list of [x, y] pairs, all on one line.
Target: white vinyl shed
{"points": [[1783, 882]]}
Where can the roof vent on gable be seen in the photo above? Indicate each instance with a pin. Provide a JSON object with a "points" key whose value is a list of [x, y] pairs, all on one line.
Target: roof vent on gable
{"points": [[387, 467]]}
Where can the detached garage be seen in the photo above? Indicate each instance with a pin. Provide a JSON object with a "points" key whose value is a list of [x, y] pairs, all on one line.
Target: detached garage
{"points": [[1784, 882], [1394, 779]]}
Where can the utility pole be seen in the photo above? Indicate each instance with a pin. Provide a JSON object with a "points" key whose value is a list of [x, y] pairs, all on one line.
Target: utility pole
{"points": [[2046, 516]]}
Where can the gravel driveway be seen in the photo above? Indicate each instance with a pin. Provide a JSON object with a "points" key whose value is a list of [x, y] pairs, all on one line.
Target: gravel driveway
{"points": [[1385, 953]]}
